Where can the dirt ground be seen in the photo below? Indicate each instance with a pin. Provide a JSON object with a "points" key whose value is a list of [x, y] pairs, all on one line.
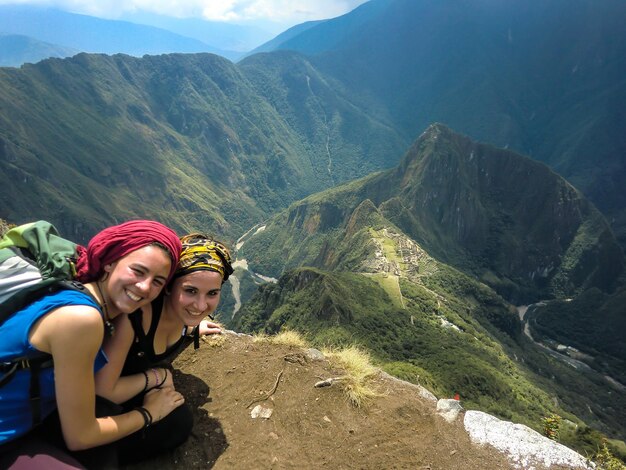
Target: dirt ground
{"points": [[309, 427]]}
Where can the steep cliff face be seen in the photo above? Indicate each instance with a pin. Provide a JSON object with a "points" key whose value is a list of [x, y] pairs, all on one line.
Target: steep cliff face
{"points": [[494, 211]]}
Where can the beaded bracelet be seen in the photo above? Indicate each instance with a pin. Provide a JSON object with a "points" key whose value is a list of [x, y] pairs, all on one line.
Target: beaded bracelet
{"points": [[156, 378], [145, 387], [147, 417]]}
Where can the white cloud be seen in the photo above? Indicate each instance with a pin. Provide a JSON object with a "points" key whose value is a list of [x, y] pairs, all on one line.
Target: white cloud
{"points": [[280, 11]]}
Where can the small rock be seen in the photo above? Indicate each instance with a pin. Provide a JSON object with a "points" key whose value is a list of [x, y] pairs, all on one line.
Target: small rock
{"points": [[273, 435], [449, 409], [315, 354], [261, 412], [326, 418]]}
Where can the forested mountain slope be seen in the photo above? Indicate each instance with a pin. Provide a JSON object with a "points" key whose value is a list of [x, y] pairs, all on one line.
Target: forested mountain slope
{"points": [[547, 79], [188, 139]]}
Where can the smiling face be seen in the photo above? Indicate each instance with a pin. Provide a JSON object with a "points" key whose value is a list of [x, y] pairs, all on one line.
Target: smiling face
{"points": [[194, 296], [136, 279]]}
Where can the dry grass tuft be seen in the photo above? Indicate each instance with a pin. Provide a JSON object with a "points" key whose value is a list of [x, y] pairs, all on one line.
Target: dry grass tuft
{"points": [[357, 382], [214, 341], [285, 338]]}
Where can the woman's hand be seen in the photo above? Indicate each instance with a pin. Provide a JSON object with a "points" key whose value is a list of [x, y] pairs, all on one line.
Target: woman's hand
{"points": [[209, 328], [162, 401]]}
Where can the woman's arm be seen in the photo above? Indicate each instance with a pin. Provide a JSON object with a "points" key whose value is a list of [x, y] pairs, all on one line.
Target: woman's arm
{"points": [[109, 383], [73, 336]]}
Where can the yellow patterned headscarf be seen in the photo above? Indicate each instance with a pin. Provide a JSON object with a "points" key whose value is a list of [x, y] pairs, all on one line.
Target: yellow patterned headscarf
{"points": [[202, 253]]}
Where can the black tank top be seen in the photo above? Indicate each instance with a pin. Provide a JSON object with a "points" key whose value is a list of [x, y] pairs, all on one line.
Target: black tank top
{"points": [[141, 355]]}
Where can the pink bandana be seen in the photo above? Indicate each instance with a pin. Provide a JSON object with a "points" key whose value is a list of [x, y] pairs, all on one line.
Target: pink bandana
{"points": [[114, 242]]}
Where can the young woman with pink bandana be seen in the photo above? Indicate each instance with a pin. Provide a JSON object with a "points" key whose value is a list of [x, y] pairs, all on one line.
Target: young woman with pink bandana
{"points": [[124, 268]]}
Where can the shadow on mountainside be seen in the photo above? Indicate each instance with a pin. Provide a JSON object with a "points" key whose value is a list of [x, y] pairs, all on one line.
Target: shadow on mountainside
{"points": [[309, 427]]}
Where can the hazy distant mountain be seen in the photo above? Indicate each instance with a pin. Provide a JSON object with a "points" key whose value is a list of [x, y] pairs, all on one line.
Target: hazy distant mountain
{"points": [[90, 34], [232, 38], [547, 79], [16, 49], [292, 32]]}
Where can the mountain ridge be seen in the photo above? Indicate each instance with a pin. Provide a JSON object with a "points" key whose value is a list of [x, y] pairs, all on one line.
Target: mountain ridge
{"points": [[505, 228], [500, 73], [96, 120]]}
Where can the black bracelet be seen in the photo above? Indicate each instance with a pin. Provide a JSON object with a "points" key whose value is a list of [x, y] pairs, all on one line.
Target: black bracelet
{"points": [[164, 379], [145, 387], [147, 417]]}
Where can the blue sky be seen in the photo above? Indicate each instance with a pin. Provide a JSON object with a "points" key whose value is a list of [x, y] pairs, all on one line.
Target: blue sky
{"points": [[285, 13]]}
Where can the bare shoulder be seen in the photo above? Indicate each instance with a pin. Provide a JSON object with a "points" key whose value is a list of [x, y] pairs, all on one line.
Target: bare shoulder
{"points": [[68, 325], [77, 317]]}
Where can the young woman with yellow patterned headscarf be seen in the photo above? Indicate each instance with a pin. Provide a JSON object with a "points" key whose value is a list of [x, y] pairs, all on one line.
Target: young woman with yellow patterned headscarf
{"points": [[147, 340]]}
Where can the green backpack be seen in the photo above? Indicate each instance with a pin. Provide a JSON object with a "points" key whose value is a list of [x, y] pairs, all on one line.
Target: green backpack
{"points": [[34, 261]]}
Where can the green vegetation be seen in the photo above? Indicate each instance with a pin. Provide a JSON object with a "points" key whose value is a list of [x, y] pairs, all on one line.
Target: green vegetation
{"points": [[551, 426], [605, 460], [202, 144], [606, 454], [191, 140]]}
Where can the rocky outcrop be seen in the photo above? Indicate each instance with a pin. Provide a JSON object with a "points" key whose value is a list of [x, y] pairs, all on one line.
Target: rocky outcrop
{"points": [[525, 448]]}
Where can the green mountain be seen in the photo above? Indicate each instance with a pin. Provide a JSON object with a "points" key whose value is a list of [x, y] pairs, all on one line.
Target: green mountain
{"points": [[341, 140], [501, 217], [420, 264], [187, 139], [593, 323], [499, 72]]}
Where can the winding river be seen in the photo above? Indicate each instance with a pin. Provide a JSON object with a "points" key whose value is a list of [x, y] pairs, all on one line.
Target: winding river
{"points": [[243, 264], [522, 310]]}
